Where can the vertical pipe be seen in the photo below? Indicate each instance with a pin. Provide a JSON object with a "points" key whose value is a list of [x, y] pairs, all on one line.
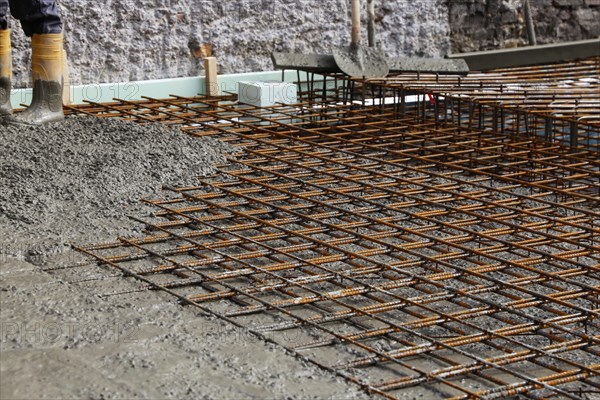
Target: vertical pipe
{"points": [[402, 101], [459, 112], [548, 130], [300, 91], [364, 92], [437, 111], [356, 22], [481, 117], [471, 112], [529, 23], [312, 95], [347, 91], [495, 120], [371, 23], [336, 93], [574, 136]]}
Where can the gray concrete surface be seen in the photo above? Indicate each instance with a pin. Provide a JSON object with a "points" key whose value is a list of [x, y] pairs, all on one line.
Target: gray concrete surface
{"points": [[82, 180], [60, 338]]}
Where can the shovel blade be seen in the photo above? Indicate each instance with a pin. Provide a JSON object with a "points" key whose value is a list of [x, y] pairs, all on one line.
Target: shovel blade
{"points": [[359, 62]]}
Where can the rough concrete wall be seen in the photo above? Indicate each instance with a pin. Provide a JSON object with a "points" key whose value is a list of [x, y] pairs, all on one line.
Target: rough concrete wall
{"points": [[491, 24], [122, 40]]}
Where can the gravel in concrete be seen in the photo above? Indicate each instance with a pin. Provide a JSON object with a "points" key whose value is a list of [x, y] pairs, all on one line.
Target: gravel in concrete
{"points": [[59, 337], [79, 180]]}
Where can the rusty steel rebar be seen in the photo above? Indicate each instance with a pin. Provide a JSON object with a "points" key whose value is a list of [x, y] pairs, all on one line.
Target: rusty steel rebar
{"points": [[559, 102], [402, 249]]}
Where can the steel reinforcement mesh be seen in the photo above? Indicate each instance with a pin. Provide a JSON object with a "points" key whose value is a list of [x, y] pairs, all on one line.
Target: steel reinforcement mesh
{"points": [[559, 102], [415, 258]]}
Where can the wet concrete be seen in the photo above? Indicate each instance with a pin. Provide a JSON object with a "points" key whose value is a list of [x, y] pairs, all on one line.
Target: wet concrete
{"points": [[81, 179], [61, 340], [359, 61], [60, 337]]}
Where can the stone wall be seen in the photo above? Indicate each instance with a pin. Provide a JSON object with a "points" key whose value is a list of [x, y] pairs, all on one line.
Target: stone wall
{"points": [[490, 24], [122, 40]]}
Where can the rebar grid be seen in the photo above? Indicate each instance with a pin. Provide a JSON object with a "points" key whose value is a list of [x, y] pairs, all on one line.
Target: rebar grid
{"points": [[561, 90], [412, 257], [560, 102]]}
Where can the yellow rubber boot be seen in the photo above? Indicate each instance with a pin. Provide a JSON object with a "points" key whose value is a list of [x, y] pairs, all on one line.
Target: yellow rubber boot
{"points": [[47, 72], [5, 72]]}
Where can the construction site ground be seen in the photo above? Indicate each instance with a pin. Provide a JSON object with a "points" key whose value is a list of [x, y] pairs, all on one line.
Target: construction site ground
{"points": [[443, 247], [60, 338], [65, 343]]}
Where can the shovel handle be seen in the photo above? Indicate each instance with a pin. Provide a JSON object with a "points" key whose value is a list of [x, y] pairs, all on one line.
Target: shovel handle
{"points": [[356, 22], [371, 26]]}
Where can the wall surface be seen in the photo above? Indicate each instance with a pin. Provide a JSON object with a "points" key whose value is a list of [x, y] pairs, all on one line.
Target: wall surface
{"points": [[122, 40], [490, 24]]}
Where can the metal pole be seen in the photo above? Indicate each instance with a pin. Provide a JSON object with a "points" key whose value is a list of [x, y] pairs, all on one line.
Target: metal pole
{"points": [[529, 23], [371, 24]]}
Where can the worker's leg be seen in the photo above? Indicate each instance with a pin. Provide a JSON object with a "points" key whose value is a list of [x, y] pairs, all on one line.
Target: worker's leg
{"points": [[41, 20], [37, 16], [3, 14], [5, 60]]}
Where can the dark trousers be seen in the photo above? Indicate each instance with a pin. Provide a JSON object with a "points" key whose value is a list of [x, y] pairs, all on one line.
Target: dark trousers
{"points": [[36, 16]]}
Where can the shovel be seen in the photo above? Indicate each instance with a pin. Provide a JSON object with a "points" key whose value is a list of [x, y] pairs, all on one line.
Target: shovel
{"points": [[356, 60]]}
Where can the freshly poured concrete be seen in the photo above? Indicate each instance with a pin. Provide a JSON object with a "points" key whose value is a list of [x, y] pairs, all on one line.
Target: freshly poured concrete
{"points": [[61, 340], [79, 180], [59, 337], [83, 331]]}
